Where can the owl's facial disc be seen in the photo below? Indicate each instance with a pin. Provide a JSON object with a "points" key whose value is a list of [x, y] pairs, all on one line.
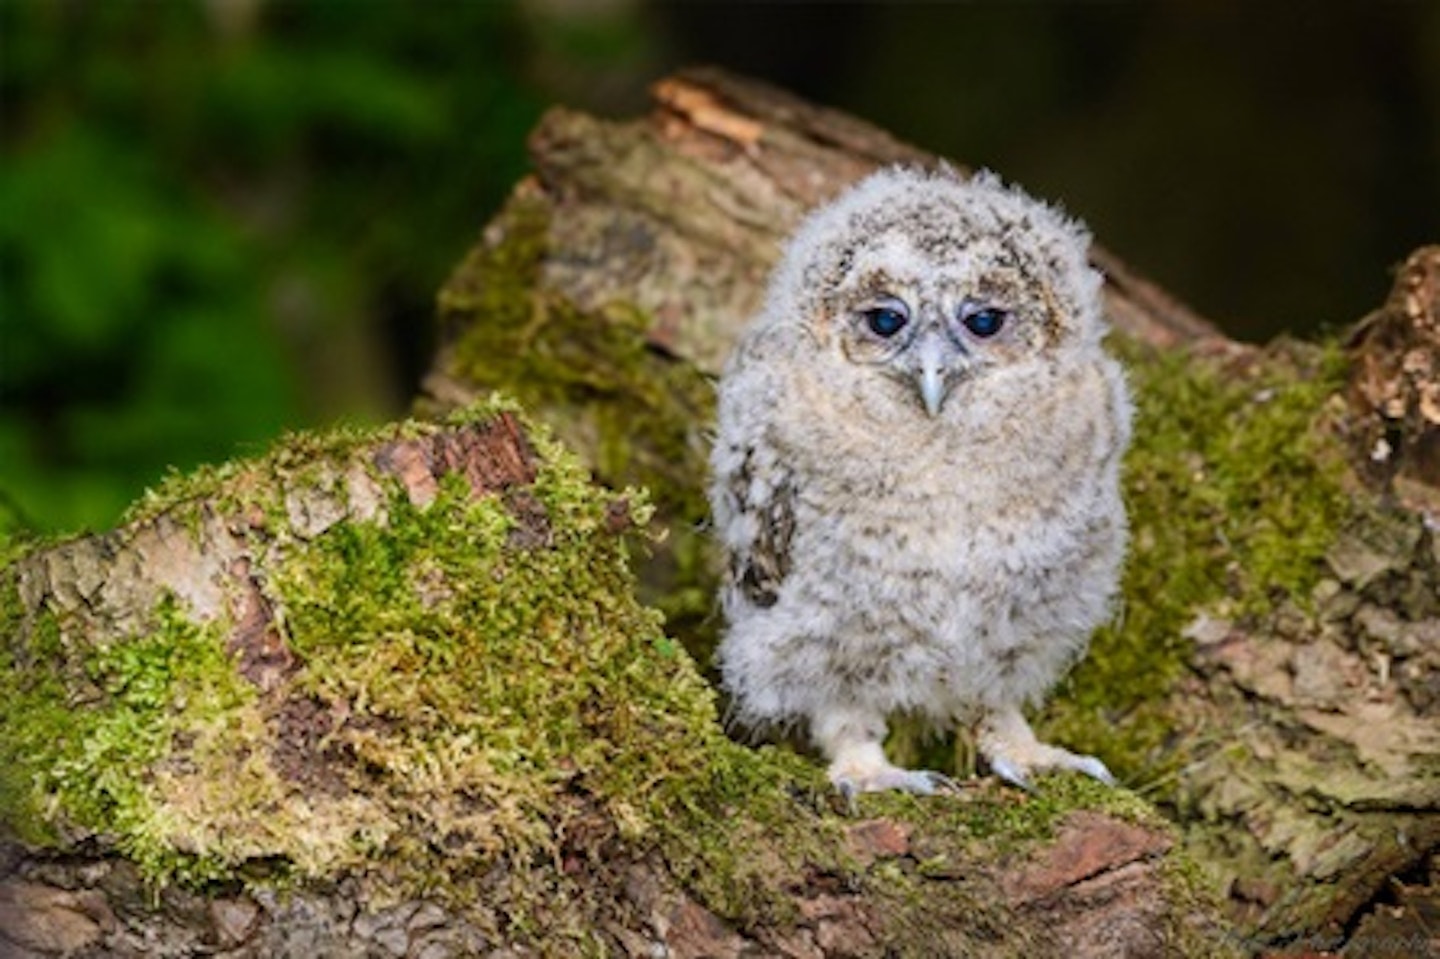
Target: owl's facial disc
{"points": [[929, 341], [921, 350]]}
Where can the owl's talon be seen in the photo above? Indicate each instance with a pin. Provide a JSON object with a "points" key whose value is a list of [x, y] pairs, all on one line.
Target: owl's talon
{"points": [[1012, 774], [1063, 759], [944, 784], [1095, 769], [1015, 775]]}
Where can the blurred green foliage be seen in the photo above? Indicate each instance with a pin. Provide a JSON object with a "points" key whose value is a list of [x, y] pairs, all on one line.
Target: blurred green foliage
{"points": [[216, 219]]}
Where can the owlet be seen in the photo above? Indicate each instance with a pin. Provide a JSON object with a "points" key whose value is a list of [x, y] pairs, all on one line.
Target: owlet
{"points": [[915, 475]]}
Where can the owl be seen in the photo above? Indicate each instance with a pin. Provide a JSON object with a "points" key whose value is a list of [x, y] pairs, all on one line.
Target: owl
{"points": [[915, 476]]}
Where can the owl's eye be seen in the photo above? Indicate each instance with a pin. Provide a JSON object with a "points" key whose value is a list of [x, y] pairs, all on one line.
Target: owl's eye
{"points": [[885, 321], [984, 321]]}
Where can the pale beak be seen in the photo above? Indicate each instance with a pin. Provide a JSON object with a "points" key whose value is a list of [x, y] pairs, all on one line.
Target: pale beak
{"points": [[933, 382]]}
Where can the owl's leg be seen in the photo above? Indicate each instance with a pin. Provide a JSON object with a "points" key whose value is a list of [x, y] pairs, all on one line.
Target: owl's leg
{"points": [[852, 741], [1009, 745]]}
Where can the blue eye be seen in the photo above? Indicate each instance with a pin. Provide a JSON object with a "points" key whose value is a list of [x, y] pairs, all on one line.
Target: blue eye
{"points": [[885, 321], [985, 322]]}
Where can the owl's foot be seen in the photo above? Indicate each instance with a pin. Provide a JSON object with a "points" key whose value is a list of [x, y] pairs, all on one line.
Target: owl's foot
{"points": [[1014, 754], [923, 782], [858, 763]]}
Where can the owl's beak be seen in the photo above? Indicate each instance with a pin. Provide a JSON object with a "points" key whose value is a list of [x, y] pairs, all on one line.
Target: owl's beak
{"points": [[933, 375]]}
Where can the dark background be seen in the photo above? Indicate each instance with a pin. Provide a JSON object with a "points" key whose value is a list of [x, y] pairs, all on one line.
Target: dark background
{"points": [[223, 219]]}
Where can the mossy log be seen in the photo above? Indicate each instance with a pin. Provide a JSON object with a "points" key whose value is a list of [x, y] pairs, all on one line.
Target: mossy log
{"points": [[1271, 681], [391, 694]]}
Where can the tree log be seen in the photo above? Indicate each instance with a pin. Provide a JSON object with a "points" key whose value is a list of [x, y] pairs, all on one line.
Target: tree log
{"points": [[390, 694], [1282, 578]]}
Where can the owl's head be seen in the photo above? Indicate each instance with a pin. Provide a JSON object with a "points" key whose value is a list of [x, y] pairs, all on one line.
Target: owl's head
{"points": [[931, 281]]}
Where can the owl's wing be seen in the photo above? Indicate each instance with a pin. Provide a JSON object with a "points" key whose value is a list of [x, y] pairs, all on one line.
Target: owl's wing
{"points": [[753, 488], [754, 502]]}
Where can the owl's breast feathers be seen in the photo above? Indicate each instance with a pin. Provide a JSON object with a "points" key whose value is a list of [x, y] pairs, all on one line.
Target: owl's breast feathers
{"points": [[817, 484]]}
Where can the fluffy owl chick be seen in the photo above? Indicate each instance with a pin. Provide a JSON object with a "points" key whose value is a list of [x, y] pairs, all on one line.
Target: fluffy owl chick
{"points": [[915, 475]]}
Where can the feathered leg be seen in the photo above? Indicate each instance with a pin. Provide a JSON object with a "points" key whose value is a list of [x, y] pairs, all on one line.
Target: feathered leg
{"points": [[853, 742]]}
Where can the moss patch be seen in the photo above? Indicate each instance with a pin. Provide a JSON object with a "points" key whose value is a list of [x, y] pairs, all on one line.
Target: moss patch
{"points": [[476, 703], [86, 727], [1234, 493], [635, 415]]}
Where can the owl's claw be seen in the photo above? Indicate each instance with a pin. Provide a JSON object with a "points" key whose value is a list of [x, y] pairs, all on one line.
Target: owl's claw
{"points": [[1012, 774], [858, 763], [1093, 768]]}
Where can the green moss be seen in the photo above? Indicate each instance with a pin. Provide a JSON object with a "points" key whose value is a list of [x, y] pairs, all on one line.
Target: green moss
{"points": [[1234, 495], [14, 542], [527, 680], [1008, 820], [87, 727], [474, 686], [635, 415]]}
